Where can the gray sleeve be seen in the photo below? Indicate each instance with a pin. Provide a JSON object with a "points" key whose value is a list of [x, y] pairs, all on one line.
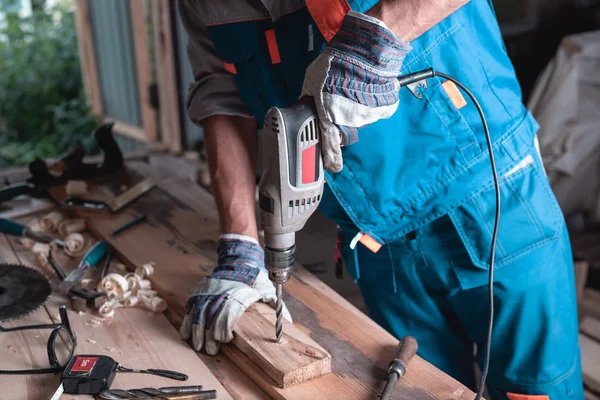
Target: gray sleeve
{"points": [[214, 91]]}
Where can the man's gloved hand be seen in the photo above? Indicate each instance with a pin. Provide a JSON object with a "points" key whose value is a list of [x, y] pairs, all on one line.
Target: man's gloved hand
{"points": [[354, 82], [239, 281]]}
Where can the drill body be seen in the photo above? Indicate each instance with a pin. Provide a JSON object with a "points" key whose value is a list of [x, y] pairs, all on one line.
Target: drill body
{"points": [[290, 187]]}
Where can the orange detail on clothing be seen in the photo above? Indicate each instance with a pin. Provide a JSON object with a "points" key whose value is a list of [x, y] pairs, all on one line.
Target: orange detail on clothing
{"points": [[514, 396], [272, 45], [370, 243], [328, 15], [230, 68], [455, 95]]}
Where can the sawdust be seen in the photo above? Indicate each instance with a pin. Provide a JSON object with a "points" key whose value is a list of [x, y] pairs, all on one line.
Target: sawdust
{"points": [[92, 341]]}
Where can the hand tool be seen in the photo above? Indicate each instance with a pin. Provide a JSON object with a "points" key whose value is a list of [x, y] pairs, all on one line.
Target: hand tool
{"points": [[91, 258], [73, 168], [290, 187], [204, 395], [22, 291], [407, 348], [80, 292], [165, 392], [128, 225], [93, 374], [15, 229], [114, 205]]}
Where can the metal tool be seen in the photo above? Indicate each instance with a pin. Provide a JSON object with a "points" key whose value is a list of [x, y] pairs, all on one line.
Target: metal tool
{"points": [[290, 188], [84, 293], [145, 393], [114, 205], [406, 351], [91, 258], [22, 291], [15, 229], [73, 168], [128, 225], [124, 394]]}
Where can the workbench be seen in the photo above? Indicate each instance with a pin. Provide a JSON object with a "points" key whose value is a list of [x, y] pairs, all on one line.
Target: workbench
{"points": [[180, 237]]}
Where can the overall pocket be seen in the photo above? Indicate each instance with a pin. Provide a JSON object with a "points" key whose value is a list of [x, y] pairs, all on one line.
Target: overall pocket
{"points": [[243, 47], [530, 217]]}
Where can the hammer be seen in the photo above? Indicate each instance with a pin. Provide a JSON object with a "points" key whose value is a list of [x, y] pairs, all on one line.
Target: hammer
{"points": [[407, 348]]}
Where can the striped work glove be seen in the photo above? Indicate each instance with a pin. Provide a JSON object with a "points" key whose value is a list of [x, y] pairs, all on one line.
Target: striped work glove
{"points": [[354, 82], [239, 281]]}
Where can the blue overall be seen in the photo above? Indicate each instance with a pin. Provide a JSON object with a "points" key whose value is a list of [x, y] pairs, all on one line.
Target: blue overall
{"points": [[420, 183]]}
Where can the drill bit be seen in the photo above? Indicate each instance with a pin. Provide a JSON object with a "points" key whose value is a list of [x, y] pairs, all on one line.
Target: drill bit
{"points": [[279, 313]]}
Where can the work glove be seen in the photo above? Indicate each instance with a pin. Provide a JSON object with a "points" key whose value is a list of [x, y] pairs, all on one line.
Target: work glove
{"points": [[239, 281], [354, 82]]}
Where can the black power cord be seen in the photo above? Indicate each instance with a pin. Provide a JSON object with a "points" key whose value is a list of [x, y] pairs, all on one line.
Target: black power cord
{"points": [[429, 73]]}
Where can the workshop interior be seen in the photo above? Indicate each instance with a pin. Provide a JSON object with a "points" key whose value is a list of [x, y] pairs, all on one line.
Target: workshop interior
{"points": [[299, 199]]}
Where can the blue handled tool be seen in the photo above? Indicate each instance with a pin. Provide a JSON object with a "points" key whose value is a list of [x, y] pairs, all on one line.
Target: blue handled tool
{"points": [[91, 258], [15, 229]]}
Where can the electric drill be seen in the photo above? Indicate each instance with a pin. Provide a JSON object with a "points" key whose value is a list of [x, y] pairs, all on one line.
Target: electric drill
{"points": [[290, 187]]}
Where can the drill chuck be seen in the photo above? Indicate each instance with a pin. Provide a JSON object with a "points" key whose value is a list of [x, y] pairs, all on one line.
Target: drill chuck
{"points": [[280, 262]]}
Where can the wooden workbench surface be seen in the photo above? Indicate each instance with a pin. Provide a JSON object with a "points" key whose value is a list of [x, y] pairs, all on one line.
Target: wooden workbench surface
{"points": [[180, 237]]}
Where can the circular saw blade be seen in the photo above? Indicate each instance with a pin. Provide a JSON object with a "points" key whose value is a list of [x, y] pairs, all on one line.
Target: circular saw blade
{"points": [[22, 291]]}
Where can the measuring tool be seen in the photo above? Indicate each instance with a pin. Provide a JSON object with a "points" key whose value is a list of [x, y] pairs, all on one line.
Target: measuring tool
{"points": [[93, 374]]}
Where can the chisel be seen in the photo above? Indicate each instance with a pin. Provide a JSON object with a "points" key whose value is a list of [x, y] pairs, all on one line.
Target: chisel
{"points": [[91, 258], [15, 229]]}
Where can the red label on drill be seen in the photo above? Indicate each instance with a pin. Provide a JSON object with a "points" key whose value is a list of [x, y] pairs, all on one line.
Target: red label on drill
{"points": [[84, 364]]}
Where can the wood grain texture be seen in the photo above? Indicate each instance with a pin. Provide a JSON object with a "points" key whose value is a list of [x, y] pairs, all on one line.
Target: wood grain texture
{"points": [[134, 337], [143, 67], [295, 360], [166, 73], [181, 239], [87, 56]]}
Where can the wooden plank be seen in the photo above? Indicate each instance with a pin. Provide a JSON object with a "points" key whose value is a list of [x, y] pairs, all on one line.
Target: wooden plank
{"points": [[166, 73], [134, 337], [581, 274], [87, 56], [589, 305], [590, 362], [143, 67], [295, 360], [176, 238], [591, 327]]}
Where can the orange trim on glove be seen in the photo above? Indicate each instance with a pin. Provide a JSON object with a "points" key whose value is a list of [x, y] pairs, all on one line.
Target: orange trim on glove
{"points": [[328, 15], [515, 396]]}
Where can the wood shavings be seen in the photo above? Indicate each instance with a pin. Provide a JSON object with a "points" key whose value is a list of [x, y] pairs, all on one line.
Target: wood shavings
{"points": [[76, 188], [120, 267], [75, 245], [114, 285], [145, 270], [92, 341], [41, 250], [129, 290], [68, 226], [27, 243], [50, 222], [34, 225], [154, 304]]}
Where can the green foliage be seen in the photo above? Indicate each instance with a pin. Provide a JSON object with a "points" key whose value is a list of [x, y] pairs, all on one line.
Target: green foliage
{"points": [[42, 107]]}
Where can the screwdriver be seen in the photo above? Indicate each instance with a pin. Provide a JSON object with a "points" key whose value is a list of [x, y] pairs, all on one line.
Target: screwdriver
{"points": [[15, 229]]}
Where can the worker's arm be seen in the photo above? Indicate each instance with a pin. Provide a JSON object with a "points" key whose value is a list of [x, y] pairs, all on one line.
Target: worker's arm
{"points": [[409, 19], [231, 146]]}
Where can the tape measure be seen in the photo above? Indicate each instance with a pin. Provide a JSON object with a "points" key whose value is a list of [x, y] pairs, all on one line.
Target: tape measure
{"points": [[92, 374]]}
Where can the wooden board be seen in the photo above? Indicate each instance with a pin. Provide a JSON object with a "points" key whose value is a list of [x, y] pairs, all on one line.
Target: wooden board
{"points": [[581, 275], [177, 239], [590, 362], [589, 304], [295, 360], [134, 337], [591, 396]]}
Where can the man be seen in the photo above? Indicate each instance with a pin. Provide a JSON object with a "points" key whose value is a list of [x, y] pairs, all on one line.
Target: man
{"points": [[407, 169]]}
